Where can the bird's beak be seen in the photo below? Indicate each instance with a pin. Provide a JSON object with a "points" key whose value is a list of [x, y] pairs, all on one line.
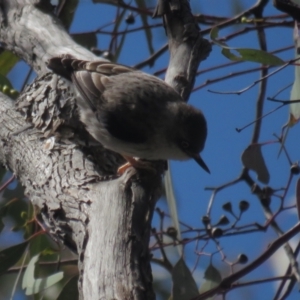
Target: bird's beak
{"points": [[200, 162]]}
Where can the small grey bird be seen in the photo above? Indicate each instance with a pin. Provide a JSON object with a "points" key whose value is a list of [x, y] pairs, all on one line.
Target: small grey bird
{"points": [[133, 113]]}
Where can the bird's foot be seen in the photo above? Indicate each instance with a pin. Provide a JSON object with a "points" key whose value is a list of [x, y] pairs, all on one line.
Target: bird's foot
{"points": [[123, 168], [138, 164]]}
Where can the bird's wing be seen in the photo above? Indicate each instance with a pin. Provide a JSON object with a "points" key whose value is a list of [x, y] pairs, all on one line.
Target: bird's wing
{"points": [[127, 102], [125, 125], [89, 77]]}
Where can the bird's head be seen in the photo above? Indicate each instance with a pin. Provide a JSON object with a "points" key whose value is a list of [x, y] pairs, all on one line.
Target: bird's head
{"points": [[192, 132]]}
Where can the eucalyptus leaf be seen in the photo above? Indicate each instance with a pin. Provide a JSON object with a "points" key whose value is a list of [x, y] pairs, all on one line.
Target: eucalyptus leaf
{"points": [[7, 61], [253, 159], [4, 211], [41, 284], [184, 285], [295, 92], [213, 279], [260, 56], [4, 82], [10, 256], [70, 290], [294, 108], [227, 53], [298, 198], [246, 54], [172, 205], [34, 285]]}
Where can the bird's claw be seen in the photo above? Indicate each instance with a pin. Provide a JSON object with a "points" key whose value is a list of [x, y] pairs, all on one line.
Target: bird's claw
{"points": [[137, 164]]}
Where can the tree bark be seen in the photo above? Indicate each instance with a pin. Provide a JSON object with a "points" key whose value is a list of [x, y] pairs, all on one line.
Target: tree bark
{"points": [[107, 221]]}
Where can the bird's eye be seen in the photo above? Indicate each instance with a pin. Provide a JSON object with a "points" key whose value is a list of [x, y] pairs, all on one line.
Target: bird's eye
{"points": [[185, 144]]}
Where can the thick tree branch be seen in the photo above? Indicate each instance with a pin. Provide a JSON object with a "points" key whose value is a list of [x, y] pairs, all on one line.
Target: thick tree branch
{"points": [[187, 47], [34, 35]]}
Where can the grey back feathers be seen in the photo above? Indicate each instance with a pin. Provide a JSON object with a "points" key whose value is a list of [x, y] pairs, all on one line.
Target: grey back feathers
{"points": [[133, 113]]}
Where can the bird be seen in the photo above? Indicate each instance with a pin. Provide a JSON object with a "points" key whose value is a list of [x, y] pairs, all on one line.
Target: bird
{"points": [[133, 113]]}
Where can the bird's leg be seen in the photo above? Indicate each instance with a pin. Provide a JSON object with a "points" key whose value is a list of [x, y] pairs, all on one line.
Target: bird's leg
{"points": [[132, 162]]}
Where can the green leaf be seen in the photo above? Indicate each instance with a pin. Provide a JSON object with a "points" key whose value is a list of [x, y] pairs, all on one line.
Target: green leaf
{"points": [[253, 159], [141, 4], [213, 279], [214, 33], [28, 278], [1, 222], [246, 54], [3, 211], [298, 197], [4, 82], [172, 204], [7, 61], [33, 285], [260, 56], [70, 290], [294, 113], [227, 53], [41, 243], [17, 204], [295, 92], [184, 285], [3, 171], [10, 256]]}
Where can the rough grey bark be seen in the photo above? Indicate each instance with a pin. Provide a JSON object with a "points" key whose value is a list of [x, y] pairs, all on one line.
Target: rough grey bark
{"points": [[186, 45], [35, 36], [107, 221]]}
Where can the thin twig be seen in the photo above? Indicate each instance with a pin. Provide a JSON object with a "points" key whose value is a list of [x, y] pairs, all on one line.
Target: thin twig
{"points": [[258, 80]]}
